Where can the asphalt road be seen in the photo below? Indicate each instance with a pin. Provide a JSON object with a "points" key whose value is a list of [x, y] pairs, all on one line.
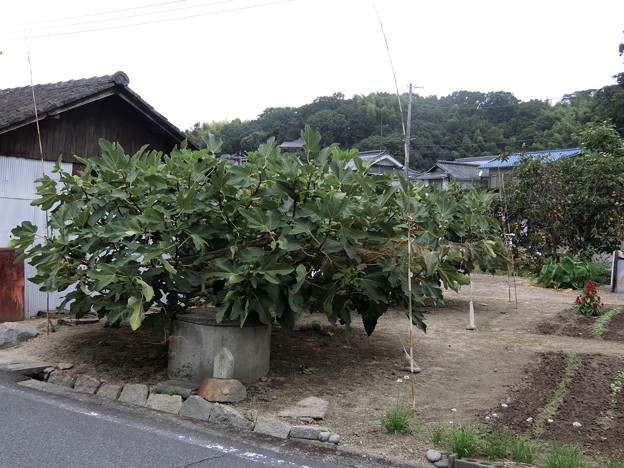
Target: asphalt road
{"points": [[41, 429]]}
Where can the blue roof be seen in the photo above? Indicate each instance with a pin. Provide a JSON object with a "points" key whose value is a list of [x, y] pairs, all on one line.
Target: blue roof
{"points": [[550, 155]]}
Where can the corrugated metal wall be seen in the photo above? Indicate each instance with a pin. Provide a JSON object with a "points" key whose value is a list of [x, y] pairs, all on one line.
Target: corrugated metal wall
{"points": [[17, 190]]}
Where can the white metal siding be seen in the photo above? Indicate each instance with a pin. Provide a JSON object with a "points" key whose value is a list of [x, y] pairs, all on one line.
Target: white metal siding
{"points": [[17, 190]]}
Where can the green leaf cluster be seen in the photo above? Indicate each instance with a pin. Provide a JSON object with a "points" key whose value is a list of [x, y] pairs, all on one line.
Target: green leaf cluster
{"points": [[142, 236], [574, 205]]}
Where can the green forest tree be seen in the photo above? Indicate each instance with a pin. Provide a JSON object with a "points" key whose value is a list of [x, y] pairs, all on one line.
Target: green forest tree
{"points": [[459, 125]]}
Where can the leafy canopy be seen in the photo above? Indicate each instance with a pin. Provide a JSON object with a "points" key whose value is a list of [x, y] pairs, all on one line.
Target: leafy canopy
{"points": [[153, 232], [575, 204]]}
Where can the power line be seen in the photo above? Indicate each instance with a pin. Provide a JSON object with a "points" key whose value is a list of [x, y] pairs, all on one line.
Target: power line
{"points": [[104, 13], [102, 20], [106, 28]]}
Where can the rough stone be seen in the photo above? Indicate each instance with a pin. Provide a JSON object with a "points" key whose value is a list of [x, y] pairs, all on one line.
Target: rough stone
{"points": [[65, 365], [109, 391], [195, 407], [272, 427], [13, 334], [305, 432], [182, 387], [433, 455], [441, 464], [62, 377], [134, 394], [166, 403], [311, 407], [334, 439], [222, 414], [87, 384], [324, 436], [222, 390], [251, 415], [223, 365]]}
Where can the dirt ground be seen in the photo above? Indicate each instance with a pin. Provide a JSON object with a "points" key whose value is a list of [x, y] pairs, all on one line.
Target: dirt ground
{"points": [[520, 353]]}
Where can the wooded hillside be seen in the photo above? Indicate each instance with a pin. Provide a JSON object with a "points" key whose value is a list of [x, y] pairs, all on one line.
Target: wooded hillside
{"points": [[463, 124]]}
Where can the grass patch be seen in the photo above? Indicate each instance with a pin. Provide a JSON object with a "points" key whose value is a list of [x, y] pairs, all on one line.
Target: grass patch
{"points": [[523, 450], [438, 435], [602, 321], [464, 440], [611, 464], [566, 456], [496, 445], [398, 419]]}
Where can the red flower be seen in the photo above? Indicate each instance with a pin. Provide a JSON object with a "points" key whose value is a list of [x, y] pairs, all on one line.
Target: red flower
{"points": [[595, 305]]}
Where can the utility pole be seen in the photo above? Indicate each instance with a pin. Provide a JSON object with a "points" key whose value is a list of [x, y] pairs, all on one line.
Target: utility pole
{"points": [[408, 131]]}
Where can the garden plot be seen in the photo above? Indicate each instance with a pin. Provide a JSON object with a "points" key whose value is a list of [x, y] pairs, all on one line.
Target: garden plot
{"points": [[466, 375]]}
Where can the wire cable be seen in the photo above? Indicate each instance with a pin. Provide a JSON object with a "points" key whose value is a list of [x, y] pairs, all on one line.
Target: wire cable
{"points": [[107, 28]]}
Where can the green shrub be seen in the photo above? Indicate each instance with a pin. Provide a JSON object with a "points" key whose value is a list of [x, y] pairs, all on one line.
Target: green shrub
{"points": [[567, 272]]}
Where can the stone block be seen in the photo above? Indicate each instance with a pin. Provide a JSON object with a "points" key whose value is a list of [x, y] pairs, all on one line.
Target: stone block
{"points": [[61, 377], [272, 427], [134, 394], [223, 365], [471, 463], [222, 414], [182, 387], [166, 403], [195, 407], [305, 432], [87, 384], [222, 390], [109, 391]]}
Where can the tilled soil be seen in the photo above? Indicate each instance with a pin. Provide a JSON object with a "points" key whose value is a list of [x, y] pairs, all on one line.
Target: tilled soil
{"points": [[466, 375]]}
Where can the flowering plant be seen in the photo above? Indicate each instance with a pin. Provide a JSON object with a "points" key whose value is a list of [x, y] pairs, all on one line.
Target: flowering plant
{"points": [[588, 302]]}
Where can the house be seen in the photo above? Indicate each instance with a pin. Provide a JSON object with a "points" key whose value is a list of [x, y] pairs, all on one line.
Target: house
{"points": [[292, 146], [465, 171], [499, 167], [380, 161], [70, 117]]}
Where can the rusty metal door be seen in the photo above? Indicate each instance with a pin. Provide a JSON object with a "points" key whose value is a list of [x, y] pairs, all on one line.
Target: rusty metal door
{"points": [[11, 286]]}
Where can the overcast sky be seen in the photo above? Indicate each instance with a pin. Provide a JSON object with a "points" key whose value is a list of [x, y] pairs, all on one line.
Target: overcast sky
{"points": [[207, 60]]}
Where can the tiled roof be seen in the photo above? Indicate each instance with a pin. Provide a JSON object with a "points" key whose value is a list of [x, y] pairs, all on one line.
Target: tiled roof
{"points": [[295, 144], [455, 170], [16, 104], [513, 159]]}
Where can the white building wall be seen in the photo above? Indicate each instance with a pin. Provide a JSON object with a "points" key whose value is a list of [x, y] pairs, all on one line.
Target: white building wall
{"points": [[17, 191]]}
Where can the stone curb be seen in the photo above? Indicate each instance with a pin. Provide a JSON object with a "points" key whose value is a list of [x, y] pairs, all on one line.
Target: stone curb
{"points": [[189, 406]]}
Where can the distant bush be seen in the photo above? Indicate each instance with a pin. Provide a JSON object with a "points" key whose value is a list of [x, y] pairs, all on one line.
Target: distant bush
{"points": [[568, 272]]}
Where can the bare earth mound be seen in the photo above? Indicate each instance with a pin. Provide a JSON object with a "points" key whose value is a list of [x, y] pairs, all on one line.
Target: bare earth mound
{"points": [[466, 375]]}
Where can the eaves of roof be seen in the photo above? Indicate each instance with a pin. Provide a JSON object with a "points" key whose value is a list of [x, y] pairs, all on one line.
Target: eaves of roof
{"points": [[17, 109], [513, 159]]}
